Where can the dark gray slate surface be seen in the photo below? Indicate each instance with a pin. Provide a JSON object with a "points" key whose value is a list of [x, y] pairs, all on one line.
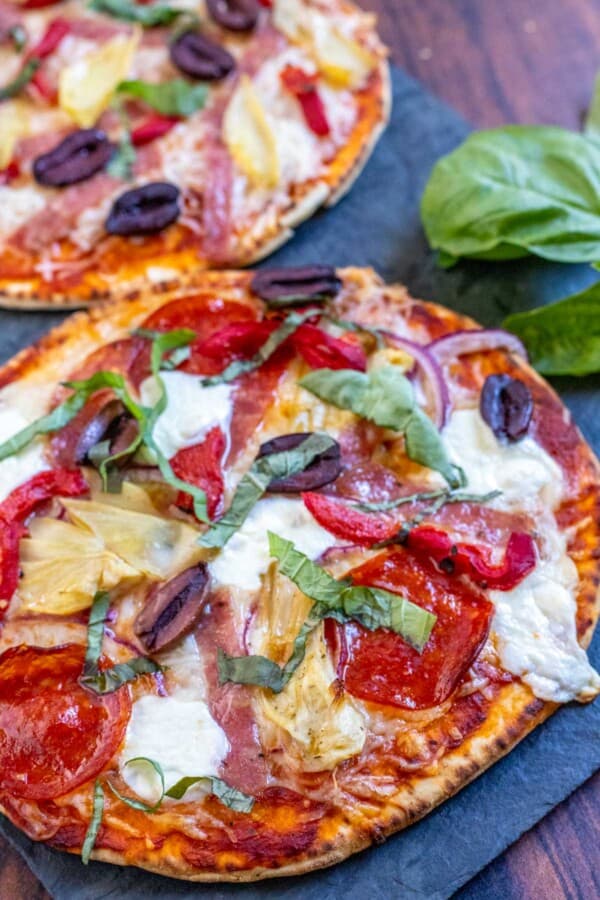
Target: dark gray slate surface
{"points": [[378, 225]]}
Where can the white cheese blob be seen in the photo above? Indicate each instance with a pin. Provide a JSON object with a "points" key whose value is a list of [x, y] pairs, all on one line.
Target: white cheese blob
{"points": [[176, 731], [536, 637], [17, 206], [523, 471], [192, 410], [17, 413], [245, 557]]}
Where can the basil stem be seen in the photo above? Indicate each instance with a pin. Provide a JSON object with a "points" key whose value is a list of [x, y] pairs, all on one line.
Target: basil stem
{"points": [[255, 482], [341, 600], [91, 835], [386, 397]]}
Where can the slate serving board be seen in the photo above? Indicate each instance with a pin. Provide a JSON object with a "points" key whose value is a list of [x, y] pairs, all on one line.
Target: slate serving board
{"points": [[378, 225]]}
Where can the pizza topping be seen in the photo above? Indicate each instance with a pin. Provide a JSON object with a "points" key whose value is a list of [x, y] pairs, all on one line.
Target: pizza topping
{"points": [[175, 97], [144, 210], [386, 397], [381, 667], [249, 136], [148, 16], [202, 466], [304, 88], [476, 340], [371, 607], [172, 608], [236, 15], [322, 470], [281, 464], [77, 157], [296, 285], [197, 56], [324, 351], [54, 734], [86, 87], [152, 128], [56, 31], [506, 405]]}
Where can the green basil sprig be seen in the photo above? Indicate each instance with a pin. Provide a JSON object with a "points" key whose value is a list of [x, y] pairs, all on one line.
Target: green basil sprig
{"points": [[256, 481], [147, 16], [239, 366], [386, 397], [562, 338], [170, 98], [106, 681], [91, 836], [20, 80], [340, 600], [516, 190], [443, 495]]}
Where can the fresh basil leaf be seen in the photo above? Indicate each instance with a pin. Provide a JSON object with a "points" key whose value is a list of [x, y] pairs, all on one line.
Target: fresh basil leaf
{"points": [[357, 328], [289, 300], [562, 338], [91, 835], [170, 98], [289, 325], [95, 631], [229, 796], [21, 80], [341, 600], [386, 397], [139, 804], [516, 190], [256, 481], [445, 495], [18, 36], [123, 160], [130, 11]]}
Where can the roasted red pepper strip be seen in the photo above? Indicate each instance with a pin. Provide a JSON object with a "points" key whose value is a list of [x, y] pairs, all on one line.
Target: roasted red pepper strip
{"points": [[38, 4], [467, 559], [56, 31], [17, 508], [11, 172], [154, 127], [237, 340], [202, 466], [304, 88], [323, 351], [348, 524], [46, 90]]}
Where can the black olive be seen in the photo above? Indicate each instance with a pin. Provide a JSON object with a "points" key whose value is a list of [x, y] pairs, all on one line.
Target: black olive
{"points": [[236, 15], [198, 57], [172, 608], [296, 284], [79, 156], [506, 405], [324, 469], [144, 210]]}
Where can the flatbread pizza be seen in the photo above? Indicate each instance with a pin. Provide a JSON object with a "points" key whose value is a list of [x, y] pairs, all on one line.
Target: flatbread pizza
{"points": [[143, 141], [287, 559]]}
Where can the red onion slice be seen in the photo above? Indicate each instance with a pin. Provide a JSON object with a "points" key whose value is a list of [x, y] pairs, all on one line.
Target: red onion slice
{"points": [[432, 378], [476, 340]]}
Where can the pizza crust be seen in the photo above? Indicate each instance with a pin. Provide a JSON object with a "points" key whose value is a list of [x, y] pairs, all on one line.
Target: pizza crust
{"points": [[513, 713]]}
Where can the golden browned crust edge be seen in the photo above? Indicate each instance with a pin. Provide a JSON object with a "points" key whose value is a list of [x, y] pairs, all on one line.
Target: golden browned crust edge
{"points": [[512, 716]]}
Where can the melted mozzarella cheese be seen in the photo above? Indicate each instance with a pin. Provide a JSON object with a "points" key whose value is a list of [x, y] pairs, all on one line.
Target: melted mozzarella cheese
{"points": [[523, 471], [192, 410], [246, 556], [16, 413], [17, 206], [536, 637], [176, 731]]}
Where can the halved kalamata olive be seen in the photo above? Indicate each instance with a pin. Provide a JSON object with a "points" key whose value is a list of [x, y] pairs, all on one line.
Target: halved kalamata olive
{"points": [[295, 285], [172, 608], [79, 156], [324, 469], [198, 57], [103, 418], [144, 210], [506, 405], [237, 15]]}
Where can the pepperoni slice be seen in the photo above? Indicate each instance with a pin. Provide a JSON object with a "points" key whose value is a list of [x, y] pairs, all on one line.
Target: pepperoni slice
{"points": [[129, 357], [381, 667], [201, 465], [54, 734]]}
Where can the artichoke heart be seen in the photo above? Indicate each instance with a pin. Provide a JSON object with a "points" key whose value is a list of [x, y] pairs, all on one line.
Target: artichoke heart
{"points": [[249, 136], [329, 726], [86, 87]]}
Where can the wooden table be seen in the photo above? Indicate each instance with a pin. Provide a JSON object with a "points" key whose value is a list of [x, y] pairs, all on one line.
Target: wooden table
{"points": [[496, 62]]}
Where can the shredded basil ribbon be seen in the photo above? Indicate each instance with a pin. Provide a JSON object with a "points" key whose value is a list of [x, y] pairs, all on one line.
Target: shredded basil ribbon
{"points": [[170, 98], [106, 681], [21, 80], [165, 345], [129, 11], [228, 796], [340, 600], [386, 397], [255, 482], [289, 325], [18, 36], [91, 835]]}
